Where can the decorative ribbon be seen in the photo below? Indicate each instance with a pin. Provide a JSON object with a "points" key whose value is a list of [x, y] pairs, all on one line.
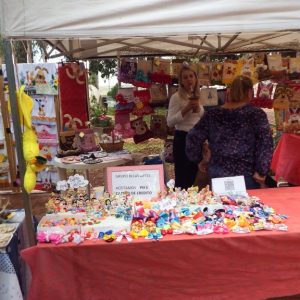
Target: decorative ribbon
{"points": [[123, 234]]}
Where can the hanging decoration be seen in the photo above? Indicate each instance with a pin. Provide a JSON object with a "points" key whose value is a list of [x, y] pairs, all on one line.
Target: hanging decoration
{"points": [[142, 132], [142, 103], [73, 95], [264, 95], [127, 71], [34, 162]]}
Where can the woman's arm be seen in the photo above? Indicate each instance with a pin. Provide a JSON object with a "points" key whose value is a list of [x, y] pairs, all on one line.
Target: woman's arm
{"points": [[176, 112], [264, 143], [195, 139]]}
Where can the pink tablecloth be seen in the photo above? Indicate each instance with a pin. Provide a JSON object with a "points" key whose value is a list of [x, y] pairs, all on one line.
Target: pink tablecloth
{"points": [[234, 266], [286, 159]]}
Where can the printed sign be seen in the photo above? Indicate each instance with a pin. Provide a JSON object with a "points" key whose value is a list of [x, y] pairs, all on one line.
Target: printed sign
{"points": [[233, 186], [140, 181]]}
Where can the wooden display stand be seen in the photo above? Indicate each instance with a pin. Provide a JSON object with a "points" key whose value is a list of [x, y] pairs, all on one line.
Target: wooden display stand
{"points": [[12, 169]]}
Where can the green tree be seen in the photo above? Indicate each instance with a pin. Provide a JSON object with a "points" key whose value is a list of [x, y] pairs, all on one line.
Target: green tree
{"points": [[113, 92], [106, 67], [21, 49]]}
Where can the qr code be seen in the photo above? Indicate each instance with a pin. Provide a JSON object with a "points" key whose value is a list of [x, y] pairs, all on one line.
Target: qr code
{"points": [[229, 185]]}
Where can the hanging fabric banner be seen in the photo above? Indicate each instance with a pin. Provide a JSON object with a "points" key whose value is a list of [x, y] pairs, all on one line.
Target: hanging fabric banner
{"points": [[73, 93]]}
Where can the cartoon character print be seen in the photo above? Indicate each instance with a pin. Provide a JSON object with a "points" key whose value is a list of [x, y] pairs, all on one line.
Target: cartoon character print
{"points": [[158, 126], [41, 102], [45, 151], [265, 91], [40, 76], [229, 71], [264, 96], [295, 99], [283, 94], [293, 123], [142, 132]]}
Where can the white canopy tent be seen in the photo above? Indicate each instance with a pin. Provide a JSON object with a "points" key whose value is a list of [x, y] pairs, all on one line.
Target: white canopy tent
{"points": [[83, 29]]}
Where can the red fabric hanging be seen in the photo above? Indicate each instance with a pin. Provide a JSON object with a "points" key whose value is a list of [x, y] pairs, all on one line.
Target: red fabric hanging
{"points": [[73, 95]]}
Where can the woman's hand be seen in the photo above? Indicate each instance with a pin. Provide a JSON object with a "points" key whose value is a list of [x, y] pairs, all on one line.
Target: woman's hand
{"points": [[192, 105], [202, 166], [259, 178]]}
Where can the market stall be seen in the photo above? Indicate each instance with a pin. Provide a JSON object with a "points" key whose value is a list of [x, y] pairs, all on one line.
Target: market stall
{"points": [[188, 28], [256, 265], [215, 265]]}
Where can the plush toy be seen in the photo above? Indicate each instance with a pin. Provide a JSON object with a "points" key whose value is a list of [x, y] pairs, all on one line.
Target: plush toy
{"points": [[34, 162]]}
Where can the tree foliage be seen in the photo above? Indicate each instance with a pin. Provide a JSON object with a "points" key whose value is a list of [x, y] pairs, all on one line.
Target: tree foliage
{"points": [[106, 67], [113, 92]]}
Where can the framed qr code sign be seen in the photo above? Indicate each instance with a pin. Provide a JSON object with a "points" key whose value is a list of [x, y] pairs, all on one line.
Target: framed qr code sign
{"points": [[234, 186]]}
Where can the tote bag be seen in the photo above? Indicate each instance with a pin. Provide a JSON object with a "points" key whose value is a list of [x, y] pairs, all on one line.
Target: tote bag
{"points": [[209, 96]]}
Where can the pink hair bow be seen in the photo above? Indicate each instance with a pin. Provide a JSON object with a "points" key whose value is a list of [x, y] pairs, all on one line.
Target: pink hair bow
{"points": [[123, 234]]}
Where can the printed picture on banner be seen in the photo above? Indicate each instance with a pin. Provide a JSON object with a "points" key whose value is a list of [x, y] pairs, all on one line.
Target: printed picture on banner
{"points": [[39, 78]]}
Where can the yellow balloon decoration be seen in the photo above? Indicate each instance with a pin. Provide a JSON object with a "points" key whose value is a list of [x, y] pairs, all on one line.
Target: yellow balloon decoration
{"points": [[34, 162]]}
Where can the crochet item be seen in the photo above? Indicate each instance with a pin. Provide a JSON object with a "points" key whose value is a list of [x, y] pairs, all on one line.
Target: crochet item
{"points": [[142, 133], [127, 71], [142, 103]]}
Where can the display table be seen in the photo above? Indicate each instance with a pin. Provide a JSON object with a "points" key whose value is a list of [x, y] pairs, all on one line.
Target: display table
{"points": [[10, 273], [257, 265], [286, 159], [109, 161]]}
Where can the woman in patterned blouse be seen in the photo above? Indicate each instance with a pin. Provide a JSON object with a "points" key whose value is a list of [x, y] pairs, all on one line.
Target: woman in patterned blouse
{"points": [[239, 137]]}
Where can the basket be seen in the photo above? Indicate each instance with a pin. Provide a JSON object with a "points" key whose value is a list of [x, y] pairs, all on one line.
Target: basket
{"points": [[101, 130], [112, 147]]}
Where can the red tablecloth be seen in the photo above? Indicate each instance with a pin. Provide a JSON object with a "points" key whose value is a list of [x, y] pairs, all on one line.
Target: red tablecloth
{"points": [[286, 159], [233, 266]]}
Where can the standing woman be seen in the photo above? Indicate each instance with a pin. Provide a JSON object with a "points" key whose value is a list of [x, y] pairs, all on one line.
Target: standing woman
{"points": [[239, 137], [183, 113]]}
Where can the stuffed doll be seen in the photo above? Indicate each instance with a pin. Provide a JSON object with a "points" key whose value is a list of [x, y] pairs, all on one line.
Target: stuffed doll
{"points": [[158, 126], [142, 133], [142, 106], [67, 144], [123, 109]]}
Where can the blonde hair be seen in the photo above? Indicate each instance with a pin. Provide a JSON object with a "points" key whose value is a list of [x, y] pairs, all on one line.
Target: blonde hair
{"points": [[181, 91], [240, 87]]}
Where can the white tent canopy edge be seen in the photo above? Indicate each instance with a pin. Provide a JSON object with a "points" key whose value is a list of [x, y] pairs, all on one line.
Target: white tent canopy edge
{"points": [[86, 29], [53, 19]]}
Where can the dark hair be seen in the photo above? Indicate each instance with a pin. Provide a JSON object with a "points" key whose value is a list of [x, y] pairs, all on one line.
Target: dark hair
{"points": [[240, 88]]}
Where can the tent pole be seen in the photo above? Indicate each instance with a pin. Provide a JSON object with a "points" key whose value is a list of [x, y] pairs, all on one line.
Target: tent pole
{"points": [[119, 67], [18, 138]]}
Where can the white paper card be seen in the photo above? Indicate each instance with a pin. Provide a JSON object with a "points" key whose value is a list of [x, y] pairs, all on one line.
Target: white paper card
{"points": [[140, 183], [233, 186]]}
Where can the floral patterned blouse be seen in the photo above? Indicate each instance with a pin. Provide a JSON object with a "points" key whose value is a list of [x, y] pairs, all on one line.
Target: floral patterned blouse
{"points": [[240, 141]]}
